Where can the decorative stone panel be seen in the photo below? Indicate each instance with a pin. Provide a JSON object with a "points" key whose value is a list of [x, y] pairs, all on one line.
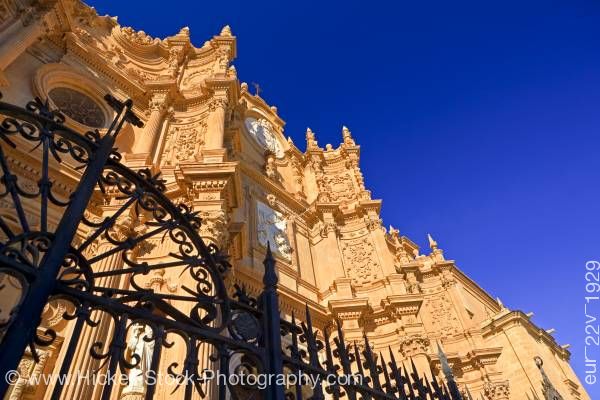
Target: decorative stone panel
{"points": [[360, 260], [496, 390], [272, 229]]}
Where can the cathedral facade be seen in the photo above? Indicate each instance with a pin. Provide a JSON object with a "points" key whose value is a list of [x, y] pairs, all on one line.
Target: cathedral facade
{"points": [[222, 151]]}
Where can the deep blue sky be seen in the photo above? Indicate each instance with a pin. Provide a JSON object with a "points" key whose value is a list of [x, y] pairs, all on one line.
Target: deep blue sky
{"points": [[478, 122]]}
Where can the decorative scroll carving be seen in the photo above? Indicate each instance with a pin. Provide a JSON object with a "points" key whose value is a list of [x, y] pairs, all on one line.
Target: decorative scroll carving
{"points": [[272, 228], [360, 260], [138, 37], [214, 226], [497, 390], [413, 345], [443, 317], [339, 187], [29, 371], [183, 143]]}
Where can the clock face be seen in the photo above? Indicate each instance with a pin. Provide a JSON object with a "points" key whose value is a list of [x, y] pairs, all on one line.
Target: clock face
{"points": [[262, 131]]}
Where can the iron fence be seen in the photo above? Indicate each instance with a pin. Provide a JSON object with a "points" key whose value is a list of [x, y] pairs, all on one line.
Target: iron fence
{"points": [[83, 245]]}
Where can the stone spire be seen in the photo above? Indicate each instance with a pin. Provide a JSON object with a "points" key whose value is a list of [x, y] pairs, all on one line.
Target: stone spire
{"points": [[436, 253], [185, 31], [500, 302], [347, 136], [311, 143], [226, 31], [432, 243]]}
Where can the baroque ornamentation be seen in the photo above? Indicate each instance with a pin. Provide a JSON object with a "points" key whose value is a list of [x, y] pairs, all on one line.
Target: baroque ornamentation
{"points": [[272, 229], [328, 227], [339, 187], [413, 345], [412, 284], [140, 348], [347, 136], [28, 373], [443, 318], [214, 226], [360, 260], [373, 224], [270, 167], [496, 390], [158, 281], [138, 37], [262, 132], [222, 60], [311, 142], [183, 143]]}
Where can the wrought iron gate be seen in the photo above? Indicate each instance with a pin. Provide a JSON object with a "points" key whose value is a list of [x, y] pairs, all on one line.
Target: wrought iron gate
{"points": [[83, 248]]}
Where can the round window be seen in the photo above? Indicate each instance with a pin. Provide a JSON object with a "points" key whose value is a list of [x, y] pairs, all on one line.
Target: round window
{"points": [[78, 107]]}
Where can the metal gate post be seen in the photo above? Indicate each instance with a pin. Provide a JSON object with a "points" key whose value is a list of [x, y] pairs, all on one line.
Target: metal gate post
{"points": [[271, 327]]}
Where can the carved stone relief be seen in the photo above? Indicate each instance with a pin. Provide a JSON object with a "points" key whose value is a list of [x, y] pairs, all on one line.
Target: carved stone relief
{"points": [[183, 143], [497, 390], [214, 226], [262, 131], [138, 37], [443, 318], [29, 372], [339, 187], [272, 228], [360, 259]]}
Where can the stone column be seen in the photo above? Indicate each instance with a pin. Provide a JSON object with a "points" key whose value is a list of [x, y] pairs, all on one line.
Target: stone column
{"points": [[21, 39], [82, 362], [145, 143]]}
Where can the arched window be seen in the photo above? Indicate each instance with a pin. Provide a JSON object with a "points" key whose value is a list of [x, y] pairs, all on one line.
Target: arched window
{"points": [[78, 106]]}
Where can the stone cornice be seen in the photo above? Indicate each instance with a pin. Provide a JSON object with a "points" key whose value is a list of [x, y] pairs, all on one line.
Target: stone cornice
{"points": [[468, 283], [470, 361], [405, 304], [518, 318], [260, 104], [350, 309], [228, 84], [95, 60], [188, 172]]}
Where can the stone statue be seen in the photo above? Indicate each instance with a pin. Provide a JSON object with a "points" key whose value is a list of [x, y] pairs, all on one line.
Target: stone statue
{"points": [[140, 345]]}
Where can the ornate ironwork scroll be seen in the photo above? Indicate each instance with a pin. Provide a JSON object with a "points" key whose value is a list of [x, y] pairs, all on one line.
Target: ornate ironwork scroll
{"points": [[83, 234]]}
